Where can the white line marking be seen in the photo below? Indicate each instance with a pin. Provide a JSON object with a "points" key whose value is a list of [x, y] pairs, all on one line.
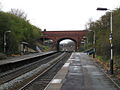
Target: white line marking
{"points": [[66, 65], [56, 81]]}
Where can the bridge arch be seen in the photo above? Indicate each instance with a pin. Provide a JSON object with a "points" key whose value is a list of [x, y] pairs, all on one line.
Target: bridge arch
{"points": [[58, 42]]}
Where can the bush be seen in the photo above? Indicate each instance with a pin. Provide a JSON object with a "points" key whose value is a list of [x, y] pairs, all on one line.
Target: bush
{"points": [[2, 56]]}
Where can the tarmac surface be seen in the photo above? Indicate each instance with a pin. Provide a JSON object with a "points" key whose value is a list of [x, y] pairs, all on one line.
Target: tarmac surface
{"points": [[23, 57], [81, 73]]}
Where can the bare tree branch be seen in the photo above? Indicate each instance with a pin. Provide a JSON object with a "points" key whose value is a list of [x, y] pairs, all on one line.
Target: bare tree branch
{"points": [[19, 13]]}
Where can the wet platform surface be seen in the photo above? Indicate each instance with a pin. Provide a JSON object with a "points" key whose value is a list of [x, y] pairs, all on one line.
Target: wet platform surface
{"points": [[80, 73]]}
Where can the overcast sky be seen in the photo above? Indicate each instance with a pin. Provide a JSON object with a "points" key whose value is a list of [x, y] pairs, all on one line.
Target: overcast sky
{"points": [[60, 14]]}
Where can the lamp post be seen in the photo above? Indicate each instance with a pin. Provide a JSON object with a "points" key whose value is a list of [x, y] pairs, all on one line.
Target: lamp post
{"points": [[85, 41], [110, 38], [94, 42], [5, 40]]}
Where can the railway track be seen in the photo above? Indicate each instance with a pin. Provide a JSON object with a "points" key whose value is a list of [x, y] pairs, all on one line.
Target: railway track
{"points": [[17, 78], [40, 82]]}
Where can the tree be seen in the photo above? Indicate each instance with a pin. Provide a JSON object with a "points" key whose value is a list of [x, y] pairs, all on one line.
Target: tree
{"points": [[21, 31], [102, 30], [19, 13]]}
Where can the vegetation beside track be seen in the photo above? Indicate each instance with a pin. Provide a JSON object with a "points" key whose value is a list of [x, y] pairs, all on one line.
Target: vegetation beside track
{"points": [[101, 28]]}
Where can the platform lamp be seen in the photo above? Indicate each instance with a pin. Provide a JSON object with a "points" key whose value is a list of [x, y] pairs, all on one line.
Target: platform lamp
{"points": [[110, 38]]}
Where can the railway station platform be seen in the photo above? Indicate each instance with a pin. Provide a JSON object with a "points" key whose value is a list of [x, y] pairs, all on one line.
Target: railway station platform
{"points": [[23, 57], [81, 73]]}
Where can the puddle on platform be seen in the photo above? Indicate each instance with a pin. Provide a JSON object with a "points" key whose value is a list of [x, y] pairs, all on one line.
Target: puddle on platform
{"points": [[96, 73], [78, 74], [76, 64], [75, 69], [77, 59], [89, 66]]}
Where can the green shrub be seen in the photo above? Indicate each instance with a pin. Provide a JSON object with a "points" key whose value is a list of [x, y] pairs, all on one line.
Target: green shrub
{"points": [[2, 56]]}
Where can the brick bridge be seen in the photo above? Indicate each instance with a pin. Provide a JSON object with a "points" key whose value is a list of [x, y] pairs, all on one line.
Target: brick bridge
{"points": [[58, 36]]}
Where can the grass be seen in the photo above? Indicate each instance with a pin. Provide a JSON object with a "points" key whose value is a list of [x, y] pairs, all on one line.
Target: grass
{"points": [[105, 64]]}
